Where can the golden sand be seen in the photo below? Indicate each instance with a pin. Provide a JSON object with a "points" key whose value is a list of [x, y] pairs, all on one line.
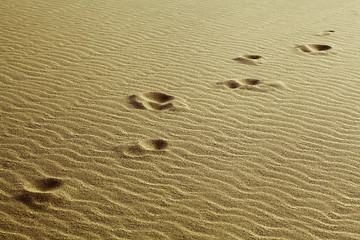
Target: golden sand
{"points": [[214, 119]]}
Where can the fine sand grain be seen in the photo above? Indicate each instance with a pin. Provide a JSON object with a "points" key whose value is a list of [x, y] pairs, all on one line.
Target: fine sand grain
{"points": [[231, 119]]}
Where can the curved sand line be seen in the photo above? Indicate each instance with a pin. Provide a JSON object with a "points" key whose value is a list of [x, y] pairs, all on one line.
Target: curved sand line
{"points": [[271, 156]]}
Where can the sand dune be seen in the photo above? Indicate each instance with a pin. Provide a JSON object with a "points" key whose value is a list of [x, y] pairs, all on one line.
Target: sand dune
{"points": [[179, 120]]}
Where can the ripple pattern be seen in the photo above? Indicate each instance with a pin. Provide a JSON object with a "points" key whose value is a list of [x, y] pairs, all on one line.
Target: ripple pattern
{"points": [[179, 120]]}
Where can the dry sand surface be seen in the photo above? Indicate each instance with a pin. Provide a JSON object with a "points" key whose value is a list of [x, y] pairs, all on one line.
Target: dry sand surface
{"points": [[213, 119]]}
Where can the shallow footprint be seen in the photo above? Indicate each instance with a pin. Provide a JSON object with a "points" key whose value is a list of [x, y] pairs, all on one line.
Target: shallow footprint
{"points": [[251, 81], [134, 151], [277, 84], [326, 33], [154, 144], [260, 85], [241, 83], [313, 48], [252, 84], [145, 147], [249, 59]]}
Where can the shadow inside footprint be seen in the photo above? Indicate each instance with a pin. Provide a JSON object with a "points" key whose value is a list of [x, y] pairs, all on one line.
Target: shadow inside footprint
{"points": [[252, 56], [48, 184], [135, 102], [311, 48], [231, 84], [251, 81], [151, 101], [157, 97], [154, 144], [145, 147], [157, 106], [326, 32], [249, 59], [253, 84]]}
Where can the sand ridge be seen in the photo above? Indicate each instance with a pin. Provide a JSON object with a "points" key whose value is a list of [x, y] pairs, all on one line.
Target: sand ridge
{"points": [[189, 120]]}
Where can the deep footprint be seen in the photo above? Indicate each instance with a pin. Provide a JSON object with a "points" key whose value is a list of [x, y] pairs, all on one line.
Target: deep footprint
{"points": [[135, 102], [157, 97], [312, 48]]}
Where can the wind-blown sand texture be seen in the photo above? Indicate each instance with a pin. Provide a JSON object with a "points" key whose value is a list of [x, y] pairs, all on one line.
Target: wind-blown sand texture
{"points": [[180, 119]]}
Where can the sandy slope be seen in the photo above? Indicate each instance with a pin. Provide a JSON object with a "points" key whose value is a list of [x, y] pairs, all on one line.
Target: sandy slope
{"points": [[192, 120]]}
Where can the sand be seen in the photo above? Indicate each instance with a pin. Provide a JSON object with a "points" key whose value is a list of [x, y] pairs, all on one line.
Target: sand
{"points": [[180, 119]]}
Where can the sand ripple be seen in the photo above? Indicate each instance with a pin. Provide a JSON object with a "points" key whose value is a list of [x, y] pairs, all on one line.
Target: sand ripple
{"points": [[189, 120]]}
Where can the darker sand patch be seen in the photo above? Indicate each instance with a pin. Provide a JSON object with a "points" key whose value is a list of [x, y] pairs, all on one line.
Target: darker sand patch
{"points": [[231, 84], [48, 184], [35, 200], [251, 81], [154, 144], [252, 56]]}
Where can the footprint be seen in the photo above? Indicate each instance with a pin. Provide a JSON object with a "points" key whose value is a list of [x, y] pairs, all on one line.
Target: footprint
{"points": [[252, 84], [313, 48], [232, 84], [154, 144], [251, 81], [151, 101], [38, 197], [35, 200], [249, 59], [277, 84], [326, 33], [145, 147], [134, 151], [136, 102], [157, 106], [157, 97], [48, 184]]}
